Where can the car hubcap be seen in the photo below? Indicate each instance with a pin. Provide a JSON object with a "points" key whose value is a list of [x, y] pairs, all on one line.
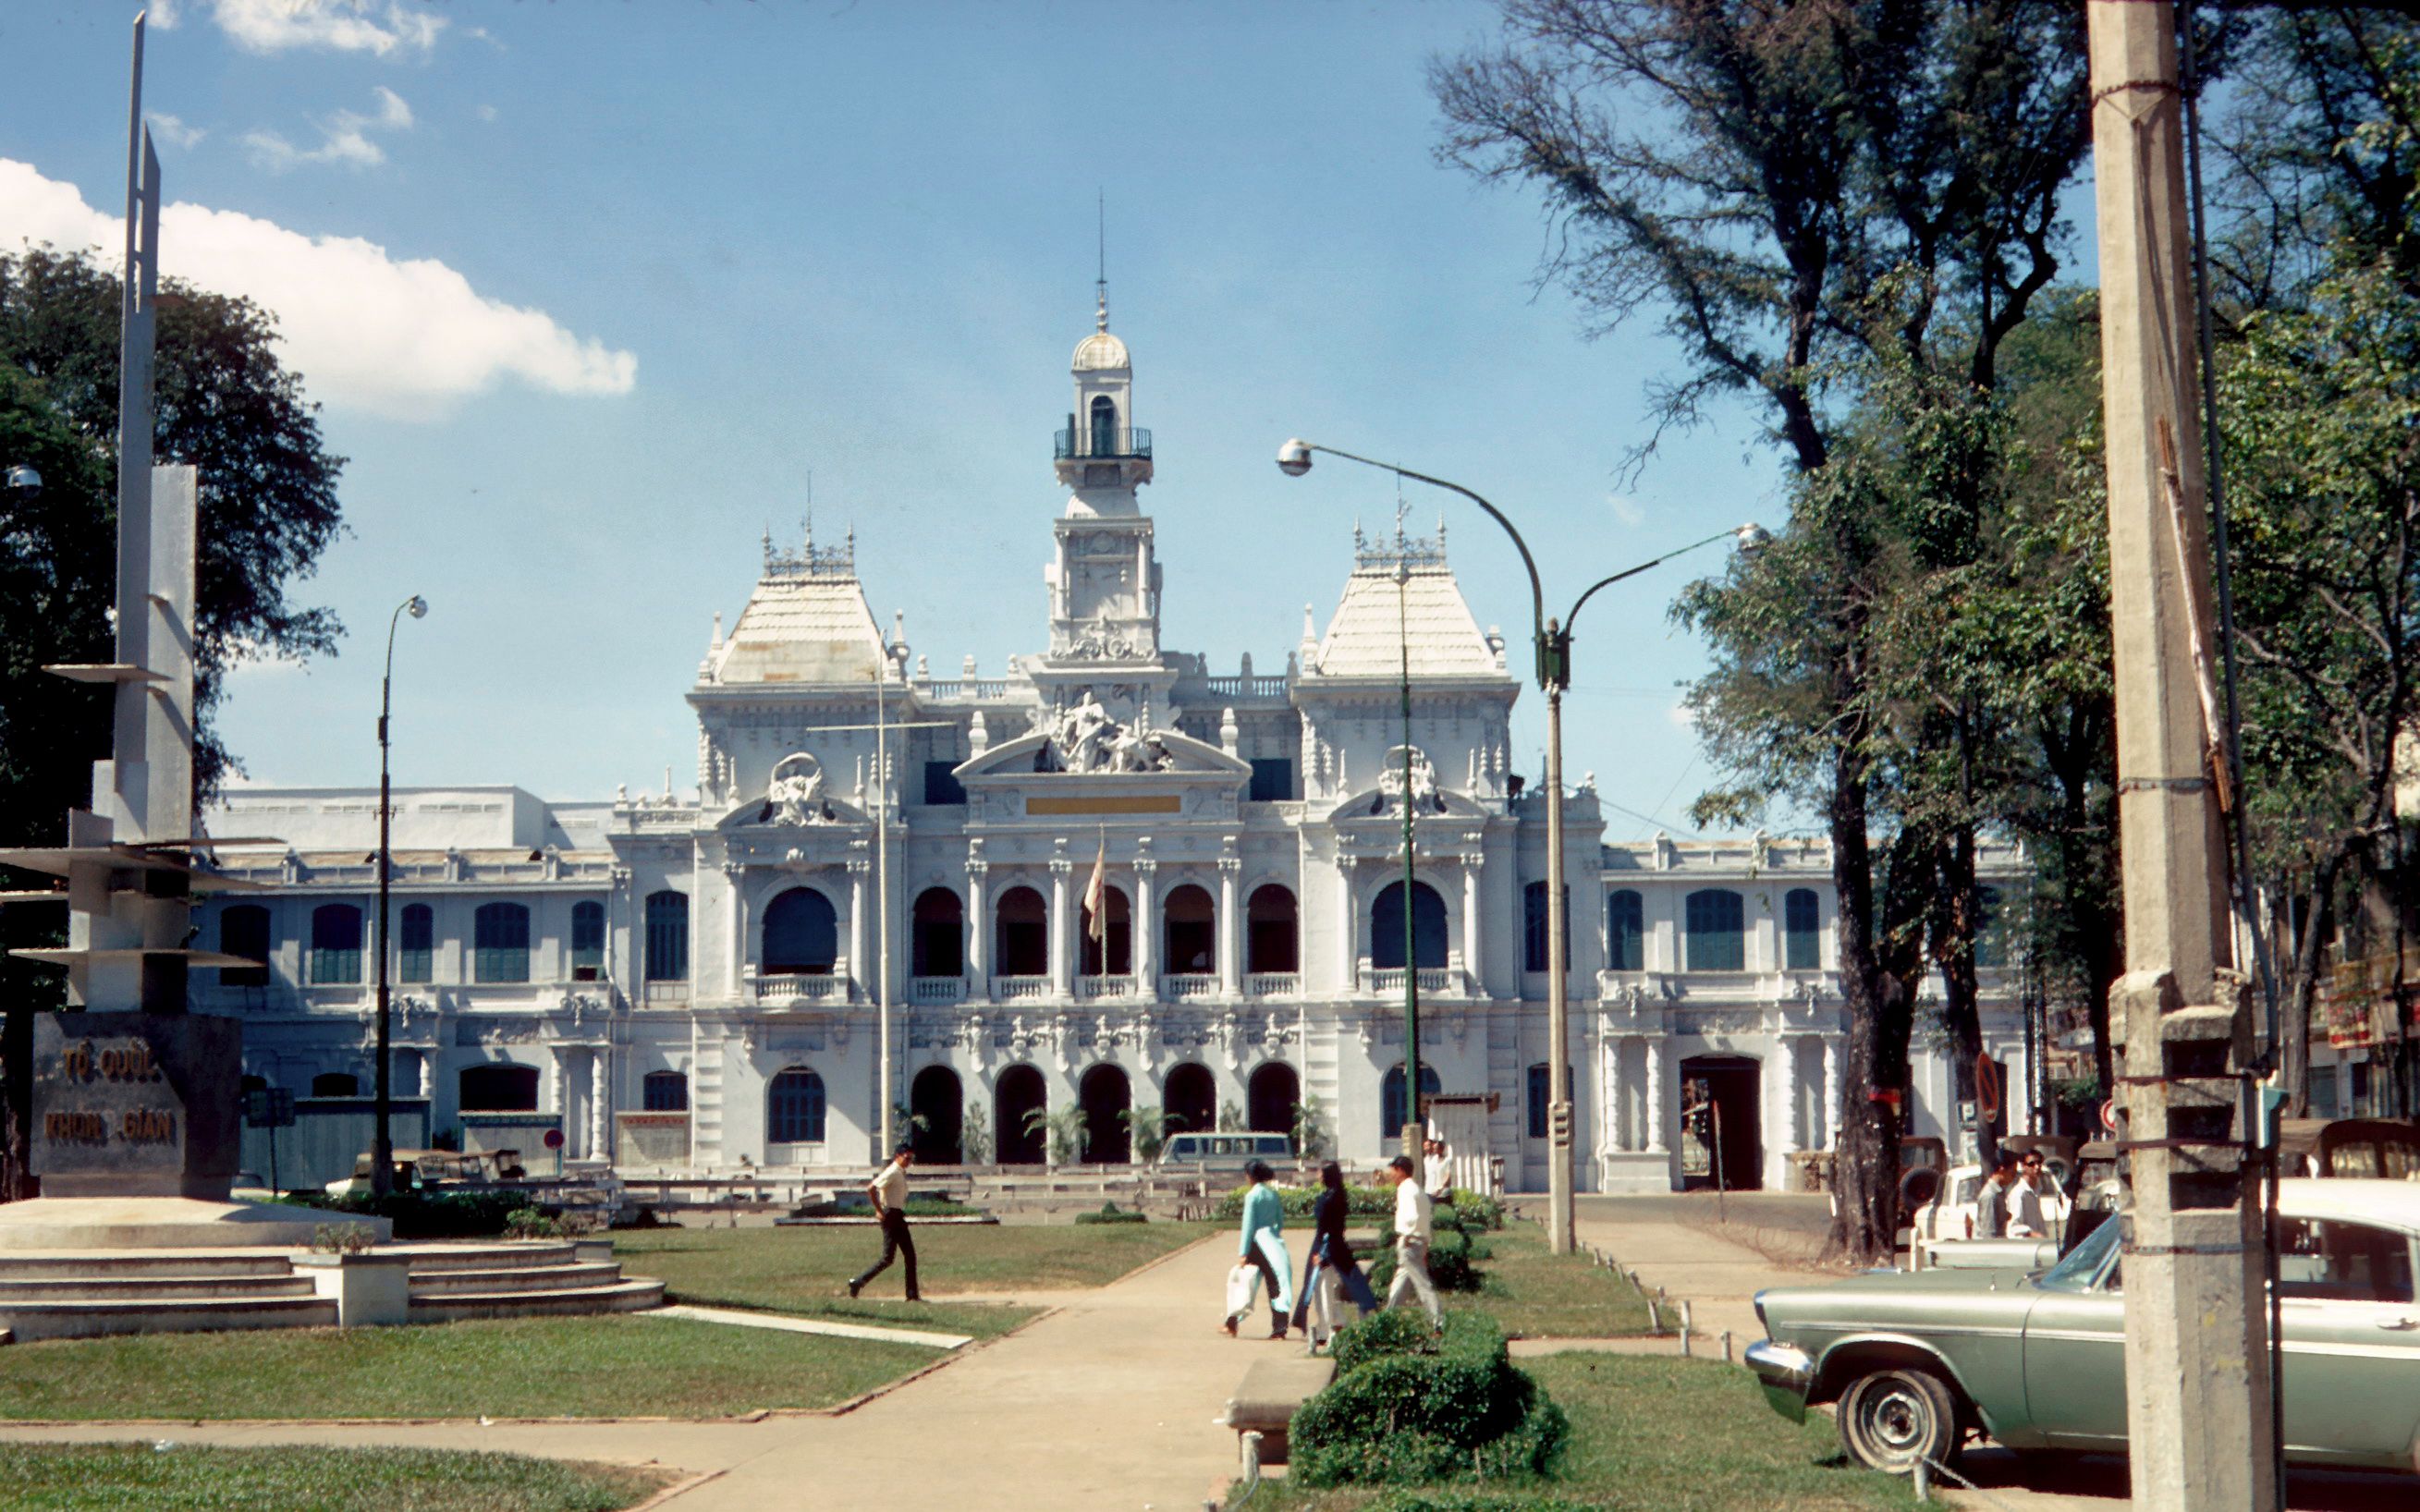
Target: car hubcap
{"points": [[1898, 1423]]}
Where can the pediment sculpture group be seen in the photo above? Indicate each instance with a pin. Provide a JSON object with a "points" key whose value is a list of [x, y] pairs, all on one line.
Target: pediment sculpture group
{"points": [[1085, 740]]}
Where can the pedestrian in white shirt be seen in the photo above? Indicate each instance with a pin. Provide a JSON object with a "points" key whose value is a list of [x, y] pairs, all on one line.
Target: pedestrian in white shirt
{"points": [[888, 1189], [1412, 1209], [1436, 1180], [2025, 1220]]}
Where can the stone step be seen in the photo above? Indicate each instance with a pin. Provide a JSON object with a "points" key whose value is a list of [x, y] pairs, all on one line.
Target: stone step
{"points": [[153, 1263], [511, 1255], [35, 1320], [134, 1287], [525, 1278], [630, 1296]]}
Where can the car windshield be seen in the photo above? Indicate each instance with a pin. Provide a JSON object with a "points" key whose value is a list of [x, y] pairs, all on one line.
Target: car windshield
{"points": [[2083, 1264]]}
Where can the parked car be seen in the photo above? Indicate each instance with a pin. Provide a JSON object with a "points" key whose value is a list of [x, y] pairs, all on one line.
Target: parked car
{"points": [[1920, 1361], [419, 1169], [1950, 1215]]}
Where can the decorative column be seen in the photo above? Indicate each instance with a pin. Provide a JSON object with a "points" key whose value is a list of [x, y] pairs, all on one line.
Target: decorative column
{"points": [[734, 879], [858, 870], [1145, 929], [1654, 1122], [1231, 868], [597, 1103], [1062, 936], [1609, 1061], [1791, 1124], [1348, 929], [978, 927], [558, 1088], [1828, 1097], [1472, 962]]}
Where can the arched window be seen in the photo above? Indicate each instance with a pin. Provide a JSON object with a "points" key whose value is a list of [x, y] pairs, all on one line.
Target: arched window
{"points": [[667, 937], [1190, 930], [587, 941], [1717, 934], [1625, 931], [500, 943], [1273, 930], [801, 937], [335, 945], [1018, 1094], [1392, 1114], [335, 1084], [1105, 426], [1111, 954], [1190, 1097], [663, 1091], [1024, 936], [1802, 930], [416, 944], [1387, 927], [1270, 1097], [1534, 931], [497, 1087], [938, 947], [244, 929], [794, 1108]]}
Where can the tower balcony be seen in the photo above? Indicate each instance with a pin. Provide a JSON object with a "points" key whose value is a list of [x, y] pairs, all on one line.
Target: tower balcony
{"points": [[1075, 442]]}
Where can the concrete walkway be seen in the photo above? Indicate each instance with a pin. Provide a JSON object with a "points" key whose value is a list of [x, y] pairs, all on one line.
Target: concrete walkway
{"points": [[1656, 1237], [1105, 1404]]}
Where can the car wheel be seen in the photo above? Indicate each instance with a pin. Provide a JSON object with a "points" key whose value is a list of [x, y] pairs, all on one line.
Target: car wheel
{"points": [[1892, 1418]]}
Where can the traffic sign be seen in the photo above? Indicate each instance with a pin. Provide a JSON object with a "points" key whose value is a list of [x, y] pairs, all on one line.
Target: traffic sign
{"points": [[1987, 1086], [2109, 1114], [553, 1139]]}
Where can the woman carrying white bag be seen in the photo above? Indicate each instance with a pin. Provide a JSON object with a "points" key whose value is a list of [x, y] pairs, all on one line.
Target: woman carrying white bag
{"points": [[1263, 1255]]}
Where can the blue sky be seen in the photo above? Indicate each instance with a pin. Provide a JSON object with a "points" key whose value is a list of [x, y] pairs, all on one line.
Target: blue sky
{"points": [[681, 255]]}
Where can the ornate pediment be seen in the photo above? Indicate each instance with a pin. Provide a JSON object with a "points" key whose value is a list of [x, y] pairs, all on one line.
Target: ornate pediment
{"points": [[1386, 800], [1083, 742], [795, 797]]}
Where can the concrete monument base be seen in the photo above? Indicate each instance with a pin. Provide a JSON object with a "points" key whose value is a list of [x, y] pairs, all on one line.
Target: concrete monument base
{"points": [[168, 1222]]}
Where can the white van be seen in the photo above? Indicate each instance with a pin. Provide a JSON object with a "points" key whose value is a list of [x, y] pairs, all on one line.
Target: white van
{"points": [[1225, 1151]]}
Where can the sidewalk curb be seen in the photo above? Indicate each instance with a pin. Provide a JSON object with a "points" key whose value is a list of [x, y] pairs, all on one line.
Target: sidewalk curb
{"points": [[679, 1487]]}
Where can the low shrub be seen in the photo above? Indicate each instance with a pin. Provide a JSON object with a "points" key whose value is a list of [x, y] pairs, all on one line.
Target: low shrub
{"points": [[423, 1214], [1454, 1258], [1407, 1406], [1110, 1214], [1476, 1209], [529, 1223], [1468, 1502]]}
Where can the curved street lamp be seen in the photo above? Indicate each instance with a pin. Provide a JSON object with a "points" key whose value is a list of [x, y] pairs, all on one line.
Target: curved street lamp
{"points": [[382, 1137], [1553, 642]]}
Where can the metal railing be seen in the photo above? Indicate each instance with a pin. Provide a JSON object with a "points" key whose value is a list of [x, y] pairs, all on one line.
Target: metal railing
{"points": [[1084, 440]]}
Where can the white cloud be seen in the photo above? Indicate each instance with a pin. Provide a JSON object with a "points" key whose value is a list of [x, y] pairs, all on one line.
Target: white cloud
{"points": [[1625, 509], [402, 337], [336, 26], [1682, 718], [173, 130], [487, 112], [161, 14], [344, 138]]}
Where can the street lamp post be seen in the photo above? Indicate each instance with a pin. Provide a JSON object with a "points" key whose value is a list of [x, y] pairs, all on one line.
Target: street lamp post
{"points": [[382, 1137], [1553, 642]]}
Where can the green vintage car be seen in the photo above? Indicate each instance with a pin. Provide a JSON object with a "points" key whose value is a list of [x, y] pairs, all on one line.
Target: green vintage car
{"points": [[1920, 1362]]}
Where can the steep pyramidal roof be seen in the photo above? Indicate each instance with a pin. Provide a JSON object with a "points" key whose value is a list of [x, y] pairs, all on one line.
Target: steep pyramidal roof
{"points": [[807, 621], [1368, 633]]}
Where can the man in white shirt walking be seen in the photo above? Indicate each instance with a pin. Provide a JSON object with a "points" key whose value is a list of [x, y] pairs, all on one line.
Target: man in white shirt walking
{"points": [[888, 1189], [1412, 1212]]}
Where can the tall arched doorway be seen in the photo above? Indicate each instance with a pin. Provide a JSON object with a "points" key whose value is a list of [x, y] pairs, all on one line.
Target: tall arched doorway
{"points": [[1190, 1098], [937, 1097], [1105, 1095], [1720, 1099], [1018, 1093], [1270, 1096]]}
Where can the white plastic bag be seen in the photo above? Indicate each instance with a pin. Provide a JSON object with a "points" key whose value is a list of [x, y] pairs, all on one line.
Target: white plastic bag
{"points": [[1242, 1281]]}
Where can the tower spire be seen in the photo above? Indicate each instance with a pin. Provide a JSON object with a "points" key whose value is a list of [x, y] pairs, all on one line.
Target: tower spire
{"points": [[1101, 278]]}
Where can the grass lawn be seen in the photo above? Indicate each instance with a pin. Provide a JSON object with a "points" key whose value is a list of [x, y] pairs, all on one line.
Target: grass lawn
{"points": [[806, 1271], [1650, 1433], [1537, 1294], [613, 1366], [60, 1477]]}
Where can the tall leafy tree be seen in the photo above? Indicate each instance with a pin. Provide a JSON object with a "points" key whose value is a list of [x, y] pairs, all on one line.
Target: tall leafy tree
{"points": [[1799, 187], [269, 508]]}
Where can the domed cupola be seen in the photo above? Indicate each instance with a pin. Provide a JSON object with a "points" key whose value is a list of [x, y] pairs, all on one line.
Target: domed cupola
{"points": [[1102, 453]]}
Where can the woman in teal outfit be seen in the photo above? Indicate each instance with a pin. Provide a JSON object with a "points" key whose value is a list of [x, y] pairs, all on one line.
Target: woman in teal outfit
{"points": [[1263, 1247]]}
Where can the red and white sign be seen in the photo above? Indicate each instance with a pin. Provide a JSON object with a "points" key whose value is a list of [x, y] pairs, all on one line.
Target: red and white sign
{"points": [[2109, 1114], [553, 1139]]}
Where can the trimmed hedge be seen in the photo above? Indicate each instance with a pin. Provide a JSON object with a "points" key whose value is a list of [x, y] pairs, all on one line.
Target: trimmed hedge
{"points": [[1470, 1502], [426, 1214], [1476, 1209], [1407, 1406], [1110, 1214], [1301, 1201], [1453, 1258]]}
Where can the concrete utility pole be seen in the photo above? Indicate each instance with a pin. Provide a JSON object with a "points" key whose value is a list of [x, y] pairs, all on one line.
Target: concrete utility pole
{"points": [[2197, 1410]]}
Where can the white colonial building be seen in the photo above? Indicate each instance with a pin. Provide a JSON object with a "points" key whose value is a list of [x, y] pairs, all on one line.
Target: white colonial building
{"points": [[697, 981]]}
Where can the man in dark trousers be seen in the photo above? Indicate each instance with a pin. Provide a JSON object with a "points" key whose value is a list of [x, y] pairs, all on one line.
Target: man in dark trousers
{"points": [[888, 1189]]}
